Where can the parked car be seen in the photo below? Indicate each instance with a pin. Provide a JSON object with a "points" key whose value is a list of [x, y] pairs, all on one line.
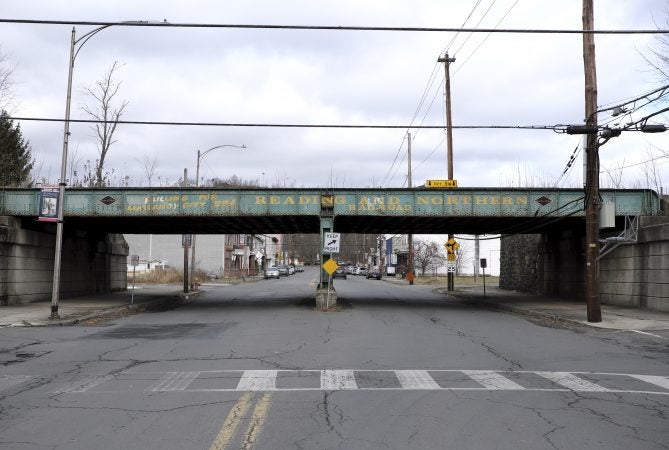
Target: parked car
{"points": [[283, 270], [299, 268], [339, 273], [361, 271], [374, 273], [351, 270], [291, 269], [272, 272]]}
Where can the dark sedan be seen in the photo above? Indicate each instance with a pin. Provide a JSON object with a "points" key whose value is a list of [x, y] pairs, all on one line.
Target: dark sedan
{"points": [[339, 273]]}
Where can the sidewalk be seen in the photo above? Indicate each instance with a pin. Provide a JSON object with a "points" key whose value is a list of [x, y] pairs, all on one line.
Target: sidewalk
{"points": [[562, 310], [556, 309], [79, 309]]}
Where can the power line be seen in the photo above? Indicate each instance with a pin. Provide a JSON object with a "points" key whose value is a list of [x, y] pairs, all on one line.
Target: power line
{"points": [[455, 53], [167, 24], [485, 38], [433, 75], [387, 178], [455, 36], [293, 125]]}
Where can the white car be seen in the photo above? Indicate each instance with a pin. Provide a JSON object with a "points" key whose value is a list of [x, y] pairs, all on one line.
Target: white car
{"points": [[272, 272]]}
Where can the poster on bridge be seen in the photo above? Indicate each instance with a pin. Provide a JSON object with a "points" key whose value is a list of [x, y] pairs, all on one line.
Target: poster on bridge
{"points": [[48, 204]]}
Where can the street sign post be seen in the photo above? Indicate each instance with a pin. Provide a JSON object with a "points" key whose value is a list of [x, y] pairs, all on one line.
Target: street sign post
{"points": [[331, 242], [329, 266], [483, 264]]}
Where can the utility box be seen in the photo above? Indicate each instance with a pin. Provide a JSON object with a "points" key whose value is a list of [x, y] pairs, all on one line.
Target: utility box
{"points": [[607, 215]]}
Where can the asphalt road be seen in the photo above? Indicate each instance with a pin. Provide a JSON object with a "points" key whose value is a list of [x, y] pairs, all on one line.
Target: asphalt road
{"points": [[398, 367]]}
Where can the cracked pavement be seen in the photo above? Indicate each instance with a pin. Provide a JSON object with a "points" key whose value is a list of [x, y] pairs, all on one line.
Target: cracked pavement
{"points": [[406, 368]]}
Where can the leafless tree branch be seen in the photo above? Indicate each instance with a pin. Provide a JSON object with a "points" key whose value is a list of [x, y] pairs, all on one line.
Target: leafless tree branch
{"points": [[104, 110]]}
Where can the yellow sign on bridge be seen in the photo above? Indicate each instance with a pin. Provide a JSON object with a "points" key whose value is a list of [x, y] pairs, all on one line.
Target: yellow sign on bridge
{"points": [[441, 183]]}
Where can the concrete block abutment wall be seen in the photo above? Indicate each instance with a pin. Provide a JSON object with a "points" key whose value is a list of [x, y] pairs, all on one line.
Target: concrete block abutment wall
{"points": [[638, 275], [635, 274], [92, 262]]}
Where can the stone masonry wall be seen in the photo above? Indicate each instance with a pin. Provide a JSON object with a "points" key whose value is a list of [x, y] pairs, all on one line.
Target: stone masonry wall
{"points": [[91, 262], [518, 262]]}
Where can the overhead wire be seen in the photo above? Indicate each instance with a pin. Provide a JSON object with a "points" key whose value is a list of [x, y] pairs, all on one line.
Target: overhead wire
{"points": [[387, 178], [284, 125], [434, 97], [475, 26], [167, 24]]}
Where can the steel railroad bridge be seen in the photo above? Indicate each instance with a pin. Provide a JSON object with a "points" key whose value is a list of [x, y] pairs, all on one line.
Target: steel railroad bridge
{"points": [[418, 210]]}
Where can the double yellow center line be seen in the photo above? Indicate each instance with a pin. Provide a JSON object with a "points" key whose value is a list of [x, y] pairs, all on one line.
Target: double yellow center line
{"points": [[237, 415]]}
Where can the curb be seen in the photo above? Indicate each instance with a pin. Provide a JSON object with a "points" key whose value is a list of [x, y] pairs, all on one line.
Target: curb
{"points": [[512, 309], [178, 299]]}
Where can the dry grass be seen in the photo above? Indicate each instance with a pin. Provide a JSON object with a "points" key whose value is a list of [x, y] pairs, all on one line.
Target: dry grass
{"points": [[170, 275]]}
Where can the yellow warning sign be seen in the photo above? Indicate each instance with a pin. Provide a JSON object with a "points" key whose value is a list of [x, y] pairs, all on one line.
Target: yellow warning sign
{"points": [[452, 246], [330, 266]]}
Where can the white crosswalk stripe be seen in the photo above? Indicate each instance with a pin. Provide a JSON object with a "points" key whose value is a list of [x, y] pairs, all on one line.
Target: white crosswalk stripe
{"points": [[572, 382], [258, 380], [174, 381], [663, 382], [416, 379], [492, 380], [83, 384], [335, 380]]}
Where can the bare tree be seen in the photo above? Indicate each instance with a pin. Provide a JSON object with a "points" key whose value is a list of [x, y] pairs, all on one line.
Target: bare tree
{"points": [[150, 166], [652, 172], [462, 258], [6, 82], [107, 115], [615, 175], [427, 255]]}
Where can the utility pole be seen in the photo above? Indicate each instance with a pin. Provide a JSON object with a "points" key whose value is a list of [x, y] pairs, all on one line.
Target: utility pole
{"points": [[449, 138], [594, 313], [410, 236], [186, 243]]}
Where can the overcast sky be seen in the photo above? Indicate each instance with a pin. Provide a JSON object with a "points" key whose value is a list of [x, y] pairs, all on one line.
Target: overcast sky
{"points": [[336, 77]]}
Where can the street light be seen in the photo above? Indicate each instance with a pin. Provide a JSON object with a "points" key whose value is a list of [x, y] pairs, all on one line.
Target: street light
{"points": [[74, 51], [201, 155]]}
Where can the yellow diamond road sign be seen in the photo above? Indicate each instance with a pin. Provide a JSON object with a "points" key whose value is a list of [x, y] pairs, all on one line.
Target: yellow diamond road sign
{"points": [[330, 266]]}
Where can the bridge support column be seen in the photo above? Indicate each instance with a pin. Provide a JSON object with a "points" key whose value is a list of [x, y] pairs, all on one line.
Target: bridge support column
{"points": [[326, 296]]}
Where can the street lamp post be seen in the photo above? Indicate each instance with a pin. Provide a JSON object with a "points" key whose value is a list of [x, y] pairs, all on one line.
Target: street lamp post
{"points": [[201, 155], [74, 51]]}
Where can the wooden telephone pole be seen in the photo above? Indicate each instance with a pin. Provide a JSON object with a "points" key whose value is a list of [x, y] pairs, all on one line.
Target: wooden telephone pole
{"points": [[449, 139], [592, 203]]}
